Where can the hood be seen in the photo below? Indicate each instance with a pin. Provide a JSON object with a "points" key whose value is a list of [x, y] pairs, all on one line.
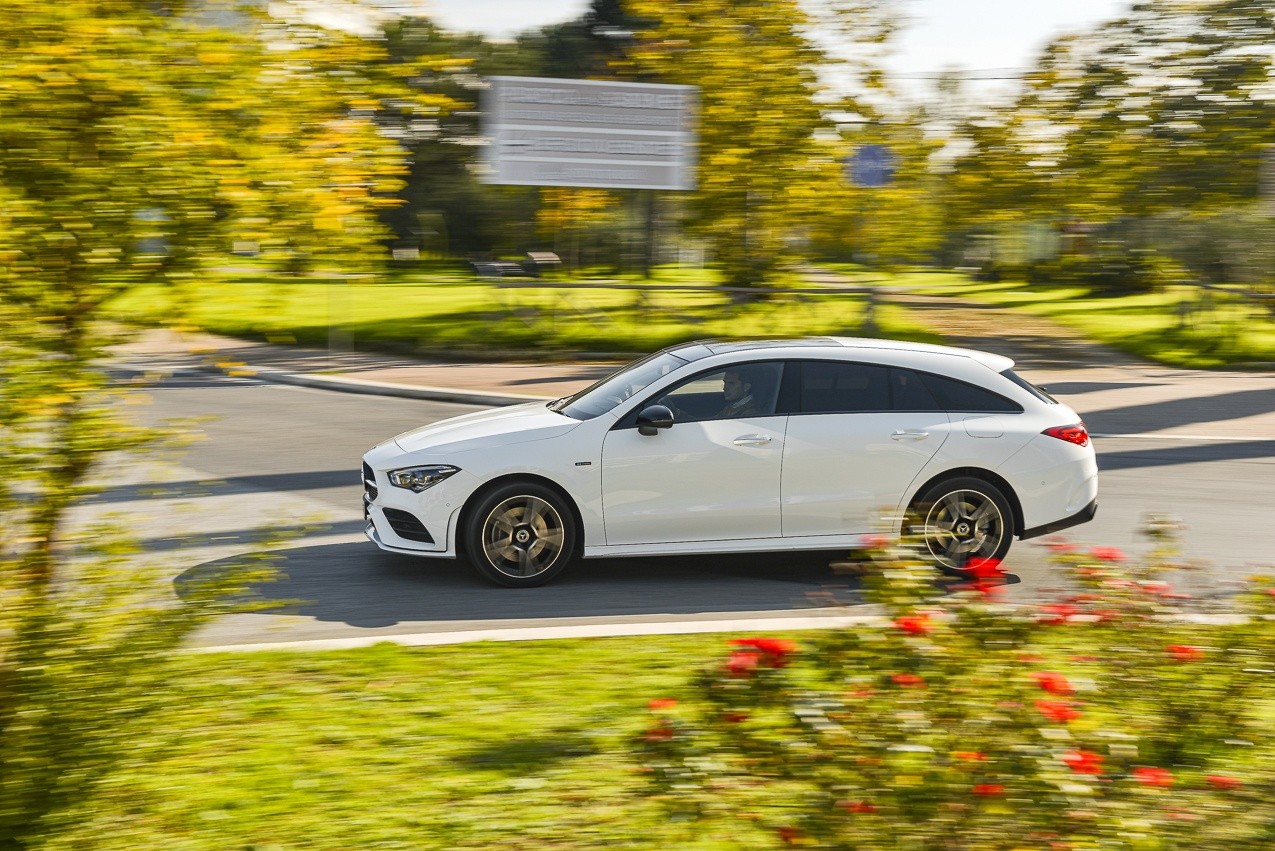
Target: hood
{"points": [[516, 424]]}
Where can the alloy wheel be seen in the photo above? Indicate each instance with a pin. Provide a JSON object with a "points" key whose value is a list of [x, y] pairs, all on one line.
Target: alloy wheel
{"points": [[523, 536], [962, 525]]}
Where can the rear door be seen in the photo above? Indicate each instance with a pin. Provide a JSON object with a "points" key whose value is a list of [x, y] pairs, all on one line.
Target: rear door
{"points": [[855, 444]]}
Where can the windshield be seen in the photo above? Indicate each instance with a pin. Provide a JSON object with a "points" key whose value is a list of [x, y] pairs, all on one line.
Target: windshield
{"points": [[606, 394]]}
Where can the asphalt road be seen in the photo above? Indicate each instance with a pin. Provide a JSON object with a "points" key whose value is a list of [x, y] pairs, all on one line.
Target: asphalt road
{"points": [[288, 457]]}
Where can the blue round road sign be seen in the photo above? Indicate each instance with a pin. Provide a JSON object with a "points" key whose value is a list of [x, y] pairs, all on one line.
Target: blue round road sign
{"points": [[871, 165]]}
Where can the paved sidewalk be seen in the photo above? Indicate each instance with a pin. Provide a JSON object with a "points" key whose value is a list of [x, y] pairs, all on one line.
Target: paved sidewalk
{"points": [[1115, 393]]}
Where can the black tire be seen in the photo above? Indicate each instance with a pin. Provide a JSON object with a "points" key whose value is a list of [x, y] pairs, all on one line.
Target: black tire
{"points": [[962, 518], [520, 535]]}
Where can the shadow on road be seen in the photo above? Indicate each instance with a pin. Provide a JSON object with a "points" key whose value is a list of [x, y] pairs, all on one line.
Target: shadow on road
{"points": [[1172, 456], [348, 583], [351, 584], [1197, 410]]}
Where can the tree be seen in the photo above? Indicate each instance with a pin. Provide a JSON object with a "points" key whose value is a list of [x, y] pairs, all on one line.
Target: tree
{"points": [[755, 64], [137, 139], [1166, 109]]}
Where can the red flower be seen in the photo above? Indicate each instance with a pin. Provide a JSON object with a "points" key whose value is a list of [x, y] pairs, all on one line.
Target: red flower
{"points": [[984, 568], [1056, 613], [858, 806], [742, 663], [735, 717], [914, 624], [659, 733], [989, 790], [908, 680], [969, 756], [1108, 554], [1222, 781], [1061, 546], [1161, 589], [1151, 776], [1083, 762], [986, 574], [875, 542], [1059, 711], [789, 834], [1053, 683], [1185, 652], [661, 703], [776, 650]]}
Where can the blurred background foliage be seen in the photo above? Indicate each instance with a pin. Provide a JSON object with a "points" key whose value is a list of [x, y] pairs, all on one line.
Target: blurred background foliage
{"points": [[1147, 136]]}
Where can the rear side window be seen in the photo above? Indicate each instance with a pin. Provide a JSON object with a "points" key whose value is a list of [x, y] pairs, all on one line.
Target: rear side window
{"points": [[829, 387], [958, 396], [1038, 392]]}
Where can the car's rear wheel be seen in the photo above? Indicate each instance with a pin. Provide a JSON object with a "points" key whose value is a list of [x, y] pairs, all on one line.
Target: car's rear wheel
{"points": [[521, 535], [963, 519]]}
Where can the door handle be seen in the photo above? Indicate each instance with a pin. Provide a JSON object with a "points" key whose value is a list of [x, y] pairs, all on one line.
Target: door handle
{"points": [[753, 440], [909, 435]]}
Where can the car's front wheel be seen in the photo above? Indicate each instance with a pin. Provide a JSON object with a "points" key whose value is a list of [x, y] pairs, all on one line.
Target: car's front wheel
{"points": [[962, 519], [521, 535]]}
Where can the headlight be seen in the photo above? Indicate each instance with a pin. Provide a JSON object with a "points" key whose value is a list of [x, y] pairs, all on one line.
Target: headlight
{"points": [[417, 479]]}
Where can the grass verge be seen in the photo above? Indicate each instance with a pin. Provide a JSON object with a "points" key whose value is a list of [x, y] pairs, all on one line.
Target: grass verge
{"points": [[450, 313], [520, 745]]}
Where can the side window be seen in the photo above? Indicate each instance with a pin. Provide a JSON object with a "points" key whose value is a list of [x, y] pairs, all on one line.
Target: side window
{"points": [[833, 387], [959, 396], [733, 392], [909, 393]]}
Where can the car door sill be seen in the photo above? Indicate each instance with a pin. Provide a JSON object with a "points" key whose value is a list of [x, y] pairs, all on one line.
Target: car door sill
{"points": [[747, 545]]}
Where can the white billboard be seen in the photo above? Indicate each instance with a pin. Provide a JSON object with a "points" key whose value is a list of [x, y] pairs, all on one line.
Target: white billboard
{"points": [[550, 132]]}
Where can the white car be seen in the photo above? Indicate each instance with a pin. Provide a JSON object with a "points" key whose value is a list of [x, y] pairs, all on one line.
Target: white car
{"points": [[720, 447]]}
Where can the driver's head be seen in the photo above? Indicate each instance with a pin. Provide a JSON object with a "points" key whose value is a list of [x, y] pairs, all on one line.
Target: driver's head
{"points": [[735, 384]]}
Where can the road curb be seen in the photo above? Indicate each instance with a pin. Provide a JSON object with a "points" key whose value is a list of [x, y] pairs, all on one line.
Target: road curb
{"points": [[821, 619], [384, 388]]}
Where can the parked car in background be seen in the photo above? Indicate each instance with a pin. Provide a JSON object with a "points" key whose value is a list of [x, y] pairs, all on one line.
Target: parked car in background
{"points": [[718, 447]]}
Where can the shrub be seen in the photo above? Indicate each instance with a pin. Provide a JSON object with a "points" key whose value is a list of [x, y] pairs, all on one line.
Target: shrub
{"points": [[1124, 714]]}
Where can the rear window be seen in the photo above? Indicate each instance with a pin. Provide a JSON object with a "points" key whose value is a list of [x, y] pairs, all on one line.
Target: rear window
{"points": [[1038, 392]]}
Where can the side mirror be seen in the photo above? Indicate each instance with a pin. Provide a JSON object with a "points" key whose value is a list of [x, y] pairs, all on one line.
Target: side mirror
{"points": [[653, 418]]}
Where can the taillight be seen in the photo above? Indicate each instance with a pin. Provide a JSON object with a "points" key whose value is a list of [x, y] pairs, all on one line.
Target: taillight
{"points": [[1071, 433]]}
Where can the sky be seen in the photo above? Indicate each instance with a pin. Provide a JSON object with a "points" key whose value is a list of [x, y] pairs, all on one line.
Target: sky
{"points": [[975, 35]]}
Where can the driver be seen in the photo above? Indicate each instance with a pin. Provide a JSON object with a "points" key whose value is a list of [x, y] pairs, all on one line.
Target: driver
{"points": [[737, 387], [737, 397]]}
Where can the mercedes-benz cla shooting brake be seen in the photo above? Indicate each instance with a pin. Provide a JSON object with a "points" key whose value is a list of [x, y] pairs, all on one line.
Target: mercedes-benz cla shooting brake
{"points": [[718, 447]]}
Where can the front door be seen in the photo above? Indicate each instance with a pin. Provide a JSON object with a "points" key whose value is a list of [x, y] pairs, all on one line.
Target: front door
{"points": [[713, 476], [697, 481]]}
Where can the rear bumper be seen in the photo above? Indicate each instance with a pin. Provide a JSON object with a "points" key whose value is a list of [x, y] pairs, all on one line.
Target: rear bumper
{"points": [[1084, 515]]}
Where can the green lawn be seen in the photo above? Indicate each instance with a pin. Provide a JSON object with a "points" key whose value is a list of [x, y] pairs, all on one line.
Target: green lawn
{"points": [[437, 313], [448, 312], [520, 745]]}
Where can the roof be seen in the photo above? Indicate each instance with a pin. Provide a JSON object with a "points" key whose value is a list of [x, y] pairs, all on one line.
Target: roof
{"points": [[996, 362]]}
